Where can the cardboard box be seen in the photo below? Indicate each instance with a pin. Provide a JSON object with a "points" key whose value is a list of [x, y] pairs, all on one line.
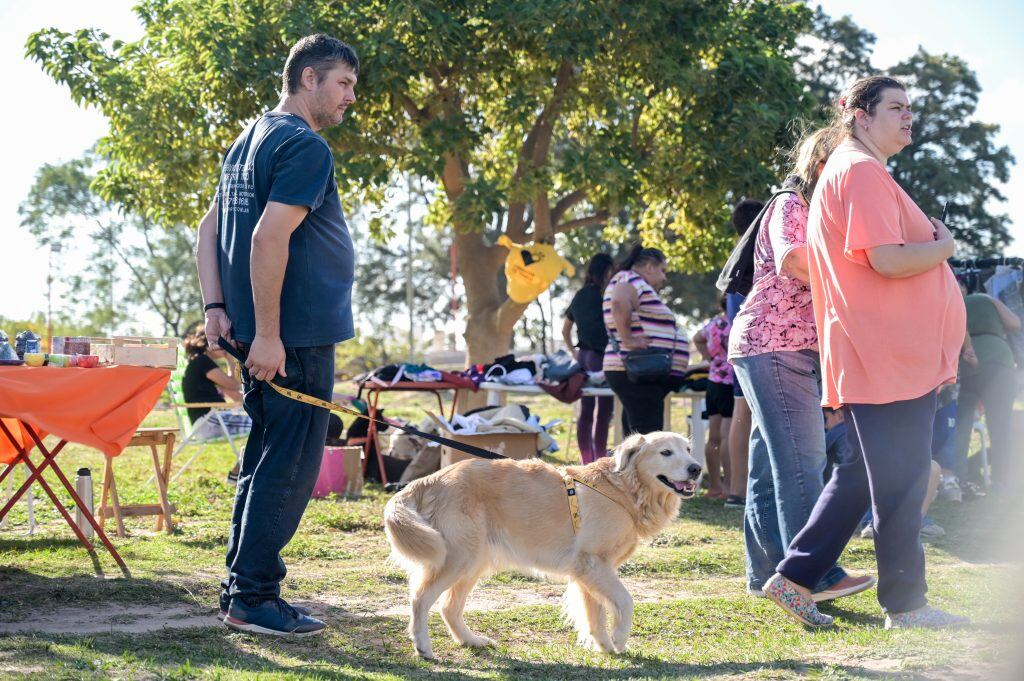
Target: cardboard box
{"points": [[512, 445]]}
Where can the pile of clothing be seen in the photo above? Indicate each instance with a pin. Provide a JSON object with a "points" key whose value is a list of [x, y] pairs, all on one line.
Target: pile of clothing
{"points": [[392, 374], [559, 374]]}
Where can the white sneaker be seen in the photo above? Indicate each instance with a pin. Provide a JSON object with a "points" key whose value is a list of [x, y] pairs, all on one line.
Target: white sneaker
{"points": [[868, 532]]}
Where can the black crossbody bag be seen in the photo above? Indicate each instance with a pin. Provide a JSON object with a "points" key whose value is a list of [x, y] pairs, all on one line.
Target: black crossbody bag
{"points": [[648, 364]]}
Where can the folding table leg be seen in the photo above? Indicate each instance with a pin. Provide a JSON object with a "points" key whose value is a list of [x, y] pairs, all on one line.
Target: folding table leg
{"points": [[108, 475], [23, 456], [48, 460], [30, 501], [371, 436], [161, 488]]}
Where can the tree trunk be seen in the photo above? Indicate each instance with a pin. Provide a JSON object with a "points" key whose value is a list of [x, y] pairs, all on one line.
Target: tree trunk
{"points": [[491, 315]]}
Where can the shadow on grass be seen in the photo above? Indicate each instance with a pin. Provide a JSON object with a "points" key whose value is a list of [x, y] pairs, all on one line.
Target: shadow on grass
{"points": [[357, 646], [23, 592]]}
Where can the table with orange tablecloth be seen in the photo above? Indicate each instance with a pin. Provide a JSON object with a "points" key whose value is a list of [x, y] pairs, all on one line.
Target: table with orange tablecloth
{"points": [[99, 408]]}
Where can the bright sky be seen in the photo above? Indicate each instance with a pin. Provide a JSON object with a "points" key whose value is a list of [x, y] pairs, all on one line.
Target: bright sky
{"points": [[46, 127]]}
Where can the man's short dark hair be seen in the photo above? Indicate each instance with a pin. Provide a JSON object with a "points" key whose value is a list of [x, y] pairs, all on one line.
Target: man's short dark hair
{"points": [[744, 213], [320, 52]]}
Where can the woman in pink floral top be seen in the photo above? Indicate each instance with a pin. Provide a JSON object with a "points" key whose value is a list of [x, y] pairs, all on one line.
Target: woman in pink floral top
{"points": [[774, 350], [713, 342]]}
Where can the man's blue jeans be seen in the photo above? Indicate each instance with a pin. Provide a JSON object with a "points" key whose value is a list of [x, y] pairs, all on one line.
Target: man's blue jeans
{"points": [[787, 456], [279, 468]]}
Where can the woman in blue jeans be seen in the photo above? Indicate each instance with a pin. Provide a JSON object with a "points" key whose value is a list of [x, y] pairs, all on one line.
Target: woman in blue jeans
{"points": [[774, 350]]}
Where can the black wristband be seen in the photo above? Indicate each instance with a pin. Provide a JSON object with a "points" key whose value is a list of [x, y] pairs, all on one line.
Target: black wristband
{"points": [[214, 306]]}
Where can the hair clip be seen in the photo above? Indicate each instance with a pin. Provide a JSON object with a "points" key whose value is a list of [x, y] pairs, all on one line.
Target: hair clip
{"points": [[842, 102]]}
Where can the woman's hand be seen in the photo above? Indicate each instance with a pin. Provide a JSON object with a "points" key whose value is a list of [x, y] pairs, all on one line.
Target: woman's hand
{"points": [[636, 342], [941, 231], [970, 357]]}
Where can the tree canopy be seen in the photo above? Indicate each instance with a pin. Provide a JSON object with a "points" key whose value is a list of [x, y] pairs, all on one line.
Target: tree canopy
{"points": [[62, 209], [540, 116]]}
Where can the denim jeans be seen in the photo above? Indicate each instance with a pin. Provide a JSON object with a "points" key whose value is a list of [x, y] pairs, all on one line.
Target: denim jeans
{"points": [[280, 465], [787, 456]]}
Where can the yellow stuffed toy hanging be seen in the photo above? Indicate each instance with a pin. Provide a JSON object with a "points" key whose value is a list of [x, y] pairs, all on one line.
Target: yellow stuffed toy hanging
{"points": [[531, 269]]}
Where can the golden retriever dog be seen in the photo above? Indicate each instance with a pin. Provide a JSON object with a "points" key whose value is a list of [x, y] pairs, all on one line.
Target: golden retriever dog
{"points": [[475, 517]]}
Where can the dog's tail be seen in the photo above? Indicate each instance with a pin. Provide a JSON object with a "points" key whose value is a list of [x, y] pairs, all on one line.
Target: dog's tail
{"points": [[415, 544]]}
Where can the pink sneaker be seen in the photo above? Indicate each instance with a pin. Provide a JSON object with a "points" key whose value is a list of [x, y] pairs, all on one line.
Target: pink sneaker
{"points": [[798, 606]]}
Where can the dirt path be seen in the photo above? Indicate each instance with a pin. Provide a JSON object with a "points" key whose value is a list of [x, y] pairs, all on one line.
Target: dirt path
{"points": [[107, 618]]}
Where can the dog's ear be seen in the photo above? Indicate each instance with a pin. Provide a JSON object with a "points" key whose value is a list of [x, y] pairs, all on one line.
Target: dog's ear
{"points": [[625, 452]]}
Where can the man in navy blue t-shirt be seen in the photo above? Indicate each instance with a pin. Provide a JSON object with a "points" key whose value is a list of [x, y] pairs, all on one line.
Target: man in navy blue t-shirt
{"points": [[276, 266]]}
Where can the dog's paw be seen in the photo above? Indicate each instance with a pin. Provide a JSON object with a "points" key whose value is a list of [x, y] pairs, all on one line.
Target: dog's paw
{"points": [[592, 643], [619, 646], [425, 652], [478, 641]]}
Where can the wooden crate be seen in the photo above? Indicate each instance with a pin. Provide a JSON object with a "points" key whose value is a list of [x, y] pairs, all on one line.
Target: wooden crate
{"points": [[138, 351]]}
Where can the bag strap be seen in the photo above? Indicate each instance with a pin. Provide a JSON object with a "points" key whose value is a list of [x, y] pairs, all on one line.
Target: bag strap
{"points": [[728, 273]]}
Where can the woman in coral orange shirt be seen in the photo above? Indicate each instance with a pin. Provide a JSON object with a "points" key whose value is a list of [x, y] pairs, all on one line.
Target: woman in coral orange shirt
{"points": [[890, 324]]}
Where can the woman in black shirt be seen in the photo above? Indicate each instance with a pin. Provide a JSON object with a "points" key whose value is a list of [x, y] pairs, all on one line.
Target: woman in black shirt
{"points": [[205, 381], [585, 313]]}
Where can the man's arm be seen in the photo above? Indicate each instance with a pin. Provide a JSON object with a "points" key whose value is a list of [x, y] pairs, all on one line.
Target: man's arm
{"points": [[267, 263], [217, 322], [1011, 322]]}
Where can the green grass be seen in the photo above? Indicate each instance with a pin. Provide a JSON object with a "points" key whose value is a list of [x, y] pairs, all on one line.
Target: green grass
{"points": [[692, 617]]}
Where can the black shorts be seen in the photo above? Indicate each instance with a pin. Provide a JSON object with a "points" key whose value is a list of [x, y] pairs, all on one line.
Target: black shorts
{"points": [[719, 400]]}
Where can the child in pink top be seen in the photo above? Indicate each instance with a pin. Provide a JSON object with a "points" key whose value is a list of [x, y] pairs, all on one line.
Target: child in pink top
{"points": [[713, 342]]}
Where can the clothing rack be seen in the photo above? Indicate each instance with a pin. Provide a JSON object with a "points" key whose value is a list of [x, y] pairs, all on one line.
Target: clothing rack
{"points": [[984, 263]]}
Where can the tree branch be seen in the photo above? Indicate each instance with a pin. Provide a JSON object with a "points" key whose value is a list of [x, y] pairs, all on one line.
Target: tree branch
{"points": [[595, 219], [418, 115], [565, 203], [105, 236], [538, 141]]}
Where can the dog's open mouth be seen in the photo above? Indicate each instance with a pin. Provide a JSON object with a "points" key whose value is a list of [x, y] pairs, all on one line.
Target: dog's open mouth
{"points": [[684, 488]]}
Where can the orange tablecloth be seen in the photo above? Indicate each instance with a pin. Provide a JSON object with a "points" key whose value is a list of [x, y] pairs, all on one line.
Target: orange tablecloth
{"points": [[99, 408]]}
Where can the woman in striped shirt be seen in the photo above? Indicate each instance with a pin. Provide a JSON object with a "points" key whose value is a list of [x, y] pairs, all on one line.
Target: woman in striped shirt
{"points": [[636, 318]]}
